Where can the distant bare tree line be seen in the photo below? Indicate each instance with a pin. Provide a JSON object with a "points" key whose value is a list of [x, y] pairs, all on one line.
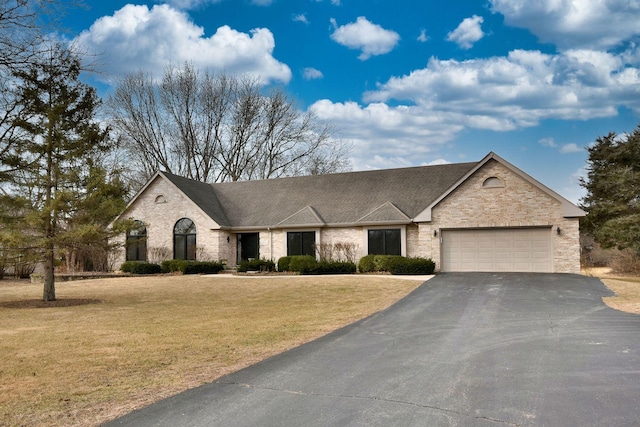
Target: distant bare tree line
{"points": [[219, 127]]}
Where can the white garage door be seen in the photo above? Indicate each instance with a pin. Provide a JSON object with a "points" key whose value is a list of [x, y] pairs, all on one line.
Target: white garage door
{"points": [[515, 249]]}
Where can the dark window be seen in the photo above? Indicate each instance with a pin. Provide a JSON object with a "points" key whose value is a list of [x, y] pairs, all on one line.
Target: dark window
{"points": [[137, 242], [184, 240], [248, 246], [301, 243], [385, 242]]}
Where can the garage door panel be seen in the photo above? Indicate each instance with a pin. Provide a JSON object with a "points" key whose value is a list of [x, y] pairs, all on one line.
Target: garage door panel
{"points": [[519, 256], [522, 249]]}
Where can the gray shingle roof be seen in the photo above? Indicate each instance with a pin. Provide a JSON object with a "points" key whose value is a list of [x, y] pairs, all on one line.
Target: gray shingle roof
{"points": [[334, 199], [203, 195]]}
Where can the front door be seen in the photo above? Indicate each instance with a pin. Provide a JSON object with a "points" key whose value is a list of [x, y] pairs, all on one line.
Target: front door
{"points": [[248, 246]]}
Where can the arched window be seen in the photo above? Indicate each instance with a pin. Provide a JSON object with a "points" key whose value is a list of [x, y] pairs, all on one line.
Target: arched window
{"points": [[160, 199], [493, 182], [136, 244], [184, 240]]}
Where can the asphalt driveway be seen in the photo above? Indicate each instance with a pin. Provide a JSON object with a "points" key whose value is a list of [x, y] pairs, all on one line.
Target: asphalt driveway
{"points": [[475, 349]]}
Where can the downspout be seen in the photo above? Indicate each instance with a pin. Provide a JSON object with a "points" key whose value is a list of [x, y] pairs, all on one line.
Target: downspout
{"points": [[270, 243]]}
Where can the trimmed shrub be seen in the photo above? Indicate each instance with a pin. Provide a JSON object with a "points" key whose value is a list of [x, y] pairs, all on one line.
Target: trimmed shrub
{"points": [[395, 264], [256, 265], [366, 264], [385, 262], [302, 264], [202, 267], [308, 265], [283, 263], [140, 267], [191, 267], [377, 263], [171, 265], [404, 265], [334, 267]]}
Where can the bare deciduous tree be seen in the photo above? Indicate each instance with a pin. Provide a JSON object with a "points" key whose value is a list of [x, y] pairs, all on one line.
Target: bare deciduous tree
{"points": [[215, 128]]}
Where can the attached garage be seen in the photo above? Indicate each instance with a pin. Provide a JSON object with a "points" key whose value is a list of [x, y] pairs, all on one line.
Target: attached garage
{"points": [[499, 250]]}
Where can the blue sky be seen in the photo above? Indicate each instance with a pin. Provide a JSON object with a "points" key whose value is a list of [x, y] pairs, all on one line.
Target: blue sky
{"points": [[407, 82]]}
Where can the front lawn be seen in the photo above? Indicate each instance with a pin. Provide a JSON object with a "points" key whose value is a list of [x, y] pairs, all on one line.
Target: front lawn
{"points": [[109, 346]]}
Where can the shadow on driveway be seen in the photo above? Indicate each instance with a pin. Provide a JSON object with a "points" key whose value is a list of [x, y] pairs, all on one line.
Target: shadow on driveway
{"points": [[472, 349]]}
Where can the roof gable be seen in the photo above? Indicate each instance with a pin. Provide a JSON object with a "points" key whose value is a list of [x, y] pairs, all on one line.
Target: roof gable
{"points": [[305, 217], [200, 194], [386, 213], [569, 210]]}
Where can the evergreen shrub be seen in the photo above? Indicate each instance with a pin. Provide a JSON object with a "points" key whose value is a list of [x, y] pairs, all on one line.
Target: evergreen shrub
{"points": [[256, 265], [302, 264], [377, 263], [191, 267], [140, 267], [412, 266], [283, 263]]}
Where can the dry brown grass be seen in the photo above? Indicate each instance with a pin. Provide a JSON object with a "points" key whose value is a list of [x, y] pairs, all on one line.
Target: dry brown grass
{"points": [[627, 289], [109, 346]]}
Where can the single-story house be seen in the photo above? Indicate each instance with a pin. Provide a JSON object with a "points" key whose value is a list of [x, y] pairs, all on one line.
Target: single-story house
{"points": [[477, 216]]}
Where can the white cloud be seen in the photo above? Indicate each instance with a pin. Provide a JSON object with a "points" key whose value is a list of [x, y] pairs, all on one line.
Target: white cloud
{"points": [[391, 132], [421, 112], [468, 32], [437, 162], [572, 189], [423, 36], [571, 148], [564, 149], [136, 37], [262, 2], [363, 35], [504, 93], [301, 18], [380, 162], [311, 73], [599, 24], [548, 142], [189, 4]]}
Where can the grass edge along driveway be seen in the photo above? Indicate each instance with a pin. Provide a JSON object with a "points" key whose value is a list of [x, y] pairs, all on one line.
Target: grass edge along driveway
{"points": [[110, 346]]}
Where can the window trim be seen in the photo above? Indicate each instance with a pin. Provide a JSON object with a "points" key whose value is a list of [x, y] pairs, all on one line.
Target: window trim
{"points": [[186, 240], [139, 240], [315, 242], [403, 237]]}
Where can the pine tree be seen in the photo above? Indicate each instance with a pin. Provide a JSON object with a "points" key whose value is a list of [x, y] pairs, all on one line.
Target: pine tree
{"points": [[613, 191], [63, 136]]}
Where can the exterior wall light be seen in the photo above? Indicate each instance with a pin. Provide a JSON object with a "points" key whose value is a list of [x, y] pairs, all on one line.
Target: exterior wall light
{"points": [[558, 230], [435, 233]]}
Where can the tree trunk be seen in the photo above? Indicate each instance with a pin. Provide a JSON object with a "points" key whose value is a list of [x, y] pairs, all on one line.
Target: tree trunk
{"points": [[49, 293]]}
